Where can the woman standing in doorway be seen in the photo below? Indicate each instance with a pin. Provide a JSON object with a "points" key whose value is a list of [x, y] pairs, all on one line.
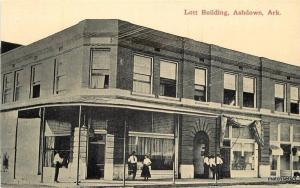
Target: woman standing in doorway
{"points": [[146, 167]]}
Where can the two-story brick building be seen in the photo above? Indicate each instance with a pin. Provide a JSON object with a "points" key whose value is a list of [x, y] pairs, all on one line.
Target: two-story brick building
{"points": [[87, 90]]}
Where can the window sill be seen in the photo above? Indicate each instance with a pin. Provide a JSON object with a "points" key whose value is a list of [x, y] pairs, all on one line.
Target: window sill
{"points": [[142, 94], [230, 106], [169, 98], [296, 115], [250, 109], [201, 103], [280, 113]]}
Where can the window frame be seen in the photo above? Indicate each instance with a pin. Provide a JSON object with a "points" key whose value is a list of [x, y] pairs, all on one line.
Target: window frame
{"points": [[236, 87], [91, 68], [255, 91], [34, 83], [151, 73], [58, 76], [4, 87], [17, 86], [176, 76], [284, 97], [206, 70], [295, 102]]}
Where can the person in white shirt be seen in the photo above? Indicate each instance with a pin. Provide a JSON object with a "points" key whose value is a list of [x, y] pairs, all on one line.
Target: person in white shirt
{"points": [[146, 167], [219, 166], [212, 165], [57, 161], [132, 165], [206, 166]]}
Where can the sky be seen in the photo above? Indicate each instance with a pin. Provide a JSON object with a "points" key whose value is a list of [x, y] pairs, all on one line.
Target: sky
{"points": [[275, 35]]}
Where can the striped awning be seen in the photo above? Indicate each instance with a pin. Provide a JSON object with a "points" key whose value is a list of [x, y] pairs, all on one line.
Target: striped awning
{"points": [[57, 128]]}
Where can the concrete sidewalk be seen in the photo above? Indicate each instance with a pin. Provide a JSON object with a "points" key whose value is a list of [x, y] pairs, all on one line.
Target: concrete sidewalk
{"points": [[163, 183]]}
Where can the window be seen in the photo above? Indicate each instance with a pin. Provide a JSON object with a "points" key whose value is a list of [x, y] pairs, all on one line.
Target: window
{"points": [[285, 132], [230, 91], [18, 85], [274, 132], [279, 97], [285, 159], [296, 133], [142, 74], [249, 92], [7, 88], [59, 72], [243, 156], [200, 85], [59, 144], [168, 79], [160, 149], [100, 68], [35, 81], [294, 100]]}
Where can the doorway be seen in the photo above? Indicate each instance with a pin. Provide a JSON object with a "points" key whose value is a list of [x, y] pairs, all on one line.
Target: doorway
{"points": [[201, 150], [96, 153]]}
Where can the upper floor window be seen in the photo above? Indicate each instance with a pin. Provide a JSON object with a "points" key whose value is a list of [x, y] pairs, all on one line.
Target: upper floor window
{"points": [[280, 97], [230, 89], [100, 66], [18, 85], [294, 103], [200, 84], [168, 79], [35, 81], [7, 88], [59, 76], [142, 74], [249, 92]]}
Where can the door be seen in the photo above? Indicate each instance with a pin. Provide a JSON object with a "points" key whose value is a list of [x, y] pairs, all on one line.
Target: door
{"points": [[96, 153], [200, 151], [225, 155]]}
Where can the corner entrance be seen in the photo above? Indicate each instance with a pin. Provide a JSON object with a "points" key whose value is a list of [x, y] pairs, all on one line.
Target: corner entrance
{"points": [[96, 155], [201, 146]]}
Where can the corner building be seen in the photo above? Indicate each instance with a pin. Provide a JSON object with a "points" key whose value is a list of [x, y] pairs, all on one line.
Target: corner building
{"points": [[102, 86]]}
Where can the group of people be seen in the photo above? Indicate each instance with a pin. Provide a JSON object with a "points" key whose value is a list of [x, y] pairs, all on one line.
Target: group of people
{"points": [[213, 164], [132, 166]]}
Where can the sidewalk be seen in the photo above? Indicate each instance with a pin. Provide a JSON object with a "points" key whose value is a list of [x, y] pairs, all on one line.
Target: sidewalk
{"points": [[163, 183]]}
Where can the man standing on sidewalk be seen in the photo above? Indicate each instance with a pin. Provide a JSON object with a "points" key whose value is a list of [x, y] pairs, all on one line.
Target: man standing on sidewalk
{"points": [[132, 165], [219, 166], [57, 162]]}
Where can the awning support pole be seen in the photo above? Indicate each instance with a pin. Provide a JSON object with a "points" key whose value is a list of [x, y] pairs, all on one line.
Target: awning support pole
{"points": [[124, 154], [78, 155], [43, 144], [16, 141]]}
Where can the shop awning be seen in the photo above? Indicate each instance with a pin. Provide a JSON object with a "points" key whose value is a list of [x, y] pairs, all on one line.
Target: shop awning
{"points": [[276, 150], [57, 128]]}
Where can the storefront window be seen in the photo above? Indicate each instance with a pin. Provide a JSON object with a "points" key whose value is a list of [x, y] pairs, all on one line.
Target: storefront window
{"points": [[285, 158], [160, 149], [296, 157], [243, 156], [55, 144], [274, 159], [285, 132]]}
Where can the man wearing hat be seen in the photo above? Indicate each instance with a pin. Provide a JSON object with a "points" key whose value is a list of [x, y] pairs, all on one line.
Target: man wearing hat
{"points": [[132, 165]]}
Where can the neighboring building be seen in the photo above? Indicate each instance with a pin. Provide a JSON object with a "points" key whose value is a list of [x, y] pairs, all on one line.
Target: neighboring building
{"points": [[7, 46], [169, 96]]}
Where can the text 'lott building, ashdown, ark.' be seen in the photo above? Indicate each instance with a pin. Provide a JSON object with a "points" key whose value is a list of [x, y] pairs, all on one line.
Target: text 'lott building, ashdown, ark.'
{"points": [[87, 90]]}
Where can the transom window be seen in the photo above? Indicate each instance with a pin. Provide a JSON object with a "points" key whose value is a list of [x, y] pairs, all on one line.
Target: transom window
{"points": [[18, 85], [249, 92], [142, 74], [100, 68], [35, 81], [294, 103], [280, 97], [168, 78], [230, 89], [7, 88], [200, 84]]}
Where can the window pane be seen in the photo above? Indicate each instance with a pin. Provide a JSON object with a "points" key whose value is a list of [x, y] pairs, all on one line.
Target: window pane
{"points": [[167, 87], [296, 134], [279, 90], [248, 85], [279, 104], [229, 97], [248, 100], [36, 73], [294, 93], [141, 87], [141, 77], [274, 133], [285, 158], [285, 132], [168, 70], [101, 59], [294, 108], [274, 162], [142, 65], [200, 76], [229, 81], [19, 78]]}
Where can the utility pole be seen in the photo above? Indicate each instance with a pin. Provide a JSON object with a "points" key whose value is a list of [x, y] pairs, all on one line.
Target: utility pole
{"points": [[124, 154]]}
